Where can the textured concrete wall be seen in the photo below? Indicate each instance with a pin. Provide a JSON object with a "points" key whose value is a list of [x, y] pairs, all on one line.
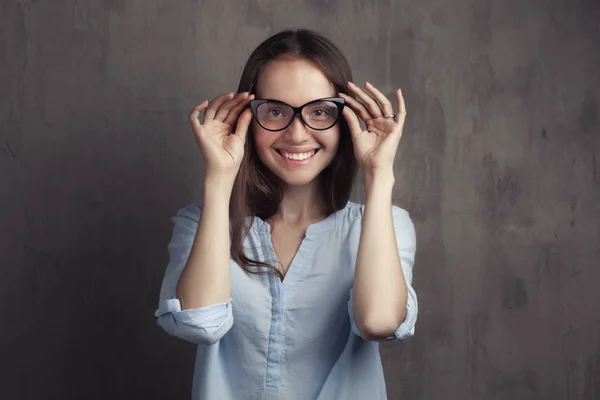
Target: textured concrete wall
{"points": [[499, 166]]}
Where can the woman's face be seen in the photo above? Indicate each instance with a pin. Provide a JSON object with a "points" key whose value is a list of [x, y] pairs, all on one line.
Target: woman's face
{"points": [[297, 154]]}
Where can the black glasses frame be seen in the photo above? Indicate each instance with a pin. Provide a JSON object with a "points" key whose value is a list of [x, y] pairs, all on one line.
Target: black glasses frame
{"points": [[338, 101]]}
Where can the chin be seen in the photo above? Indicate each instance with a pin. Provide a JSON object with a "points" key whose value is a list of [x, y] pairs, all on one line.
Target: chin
{"points": [[296, 179]]}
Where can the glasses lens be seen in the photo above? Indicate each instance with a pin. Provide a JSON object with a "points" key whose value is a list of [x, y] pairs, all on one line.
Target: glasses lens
{"points": [[274, 116], [321, 115]]}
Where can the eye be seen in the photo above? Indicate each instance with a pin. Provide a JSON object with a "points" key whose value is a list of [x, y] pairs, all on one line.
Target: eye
{"points": [[275, 112], [319, 112]]}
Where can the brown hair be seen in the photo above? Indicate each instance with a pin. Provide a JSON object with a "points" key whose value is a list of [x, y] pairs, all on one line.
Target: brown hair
{"points": [[257, 191]]}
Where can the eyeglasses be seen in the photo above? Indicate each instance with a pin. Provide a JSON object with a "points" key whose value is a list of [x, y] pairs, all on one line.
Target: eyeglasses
{"points": [[275, 115]]}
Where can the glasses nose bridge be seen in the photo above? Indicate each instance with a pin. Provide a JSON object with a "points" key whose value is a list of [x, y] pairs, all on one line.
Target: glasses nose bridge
{"points": [[295, 133], [297, 112]]}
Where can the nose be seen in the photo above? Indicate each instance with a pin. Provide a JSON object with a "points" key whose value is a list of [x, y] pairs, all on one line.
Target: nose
{"points": [[297, 132]]}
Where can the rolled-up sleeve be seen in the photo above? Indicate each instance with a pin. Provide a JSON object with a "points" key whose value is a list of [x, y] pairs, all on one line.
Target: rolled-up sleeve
{"points": [[407, 245], [204, 325]]}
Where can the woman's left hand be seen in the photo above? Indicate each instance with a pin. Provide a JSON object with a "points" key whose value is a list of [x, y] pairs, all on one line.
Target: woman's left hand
{"points": [[375, 147]]}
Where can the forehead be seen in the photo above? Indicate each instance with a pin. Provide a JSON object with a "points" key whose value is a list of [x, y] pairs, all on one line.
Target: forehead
{"points": [[294, 81]]}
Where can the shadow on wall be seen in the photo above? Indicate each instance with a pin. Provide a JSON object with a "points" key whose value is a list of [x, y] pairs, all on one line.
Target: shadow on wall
{"points": [[88, 268]]}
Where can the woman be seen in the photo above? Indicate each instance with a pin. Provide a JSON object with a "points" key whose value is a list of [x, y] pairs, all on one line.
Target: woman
{"points": [[284, 284]]}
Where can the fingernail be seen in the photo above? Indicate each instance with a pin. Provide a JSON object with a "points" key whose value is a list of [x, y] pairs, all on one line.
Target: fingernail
{"points": [[367, 83], [351, 84]]}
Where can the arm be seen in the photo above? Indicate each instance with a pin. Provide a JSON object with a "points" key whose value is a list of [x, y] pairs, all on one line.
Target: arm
{"points": [[205, 279], [380, 289], [381, 298], [204, 325], [195, 296]]}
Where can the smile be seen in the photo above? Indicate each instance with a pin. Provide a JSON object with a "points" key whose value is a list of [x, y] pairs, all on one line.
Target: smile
{"points": [[297, 158]]}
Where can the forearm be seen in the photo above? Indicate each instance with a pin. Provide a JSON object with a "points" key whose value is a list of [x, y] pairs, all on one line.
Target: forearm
{"points": [[206, 277], [380, 292]]}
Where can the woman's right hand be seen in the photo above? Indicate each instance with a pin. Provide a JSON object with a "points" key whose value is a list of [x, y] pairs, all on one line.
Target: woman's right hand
{"points": [[221, 147]]}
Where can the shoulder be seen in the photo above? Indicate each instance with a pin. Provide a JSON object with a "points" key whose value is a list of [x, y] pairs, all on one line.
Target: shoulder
{"points": [[354, 211], [402, 218], [352, 215], [189, 213], [404, 228]]}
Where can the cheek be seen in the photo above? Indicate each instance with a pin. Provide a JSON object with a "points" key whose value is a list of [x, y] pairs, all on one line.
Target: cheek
{"points": [[332, 138], [263, 139]]}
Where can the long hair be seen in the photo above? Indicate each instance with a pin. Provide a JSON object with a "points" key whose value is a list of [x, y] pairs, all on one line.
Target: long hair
{"points": [[257, 192]]}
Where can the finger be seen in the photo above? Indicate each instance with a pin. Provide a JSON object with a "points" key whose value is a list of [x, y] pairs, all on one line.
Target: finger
{"points": [[352, 121], [383, 101], [357, 106], [228, 105], [195, 114], [369, 102], [214, 105], [234, 112], [243, 123], [401, 107]]}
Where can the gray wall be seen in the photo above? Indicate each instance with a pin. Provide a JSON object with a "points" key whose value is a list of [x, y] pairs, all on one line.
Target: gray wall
{"points": [[499, 166]]}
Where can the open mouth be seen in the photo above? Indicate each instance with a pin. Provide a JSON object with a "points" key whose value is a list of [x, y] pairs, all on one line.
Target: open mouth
{"points": [[298, 156]]}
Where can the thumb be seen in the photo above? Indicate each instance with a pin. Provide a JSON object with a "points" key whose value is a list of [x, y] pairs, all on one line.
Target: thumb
{"points": [[194, 117], [243, 123]]}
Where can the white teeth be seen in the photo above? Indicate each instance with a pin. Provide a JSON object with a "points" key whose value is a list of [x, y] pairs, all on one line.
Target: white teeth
{"points": [[298, 156]]}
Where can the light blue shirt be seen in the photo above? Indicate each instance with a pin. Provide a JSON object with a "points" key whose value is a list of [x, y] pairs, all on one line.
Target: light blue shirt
{"points": [[293, 339]]}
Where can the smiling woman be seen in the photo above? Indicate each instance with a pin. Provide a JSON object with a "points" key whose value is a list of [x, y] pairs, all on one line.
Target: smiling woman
{"points": [[285, 285]]}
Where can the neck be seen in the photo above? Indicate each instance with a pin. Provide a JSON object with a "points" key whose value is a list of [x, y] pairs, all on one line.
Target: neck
{"points": [[302, 203]]}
